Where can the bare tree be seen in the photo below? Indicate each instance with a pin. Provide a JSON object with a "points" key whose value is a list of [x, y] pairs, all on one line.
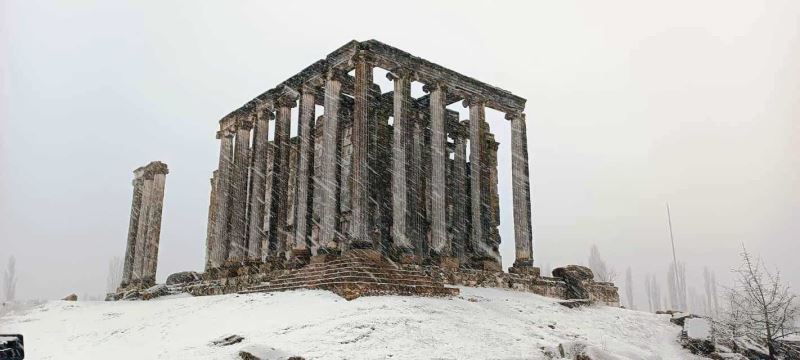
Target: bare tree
{"points": [[676, 286], [599, 268], [731, 322], [653, 293], [629, 288], [10, 279], [770, 308], [114, 274], [710, 285], [695, 304]]}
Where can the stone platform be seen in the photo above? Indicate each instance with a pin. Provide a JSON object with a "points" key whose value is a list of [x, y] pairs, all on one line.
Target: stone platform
{"points": [[357, 273]]}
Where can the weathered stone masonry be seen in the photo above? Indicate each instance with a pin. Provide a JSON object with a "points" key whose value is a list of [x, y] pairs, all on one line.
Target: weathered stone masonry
{"points": [[352, 180], [376, 196], [144, 231]]}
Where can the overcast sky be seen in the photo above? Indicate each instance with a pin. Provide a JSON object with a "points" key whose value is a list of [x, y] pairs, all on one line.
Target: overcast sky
{"points": [[630, 104]]}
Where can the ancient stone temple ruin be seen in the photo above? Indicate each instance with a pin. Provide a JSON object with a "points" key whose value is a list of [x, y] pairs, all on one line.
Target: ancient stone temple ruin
{"points": [[144, 230], [379, 171], [378, 193]]}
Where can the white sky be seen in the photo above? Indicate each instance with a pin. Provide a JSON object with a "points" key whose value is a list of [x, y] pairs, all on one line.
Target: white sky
{"points": [[630, 104]]}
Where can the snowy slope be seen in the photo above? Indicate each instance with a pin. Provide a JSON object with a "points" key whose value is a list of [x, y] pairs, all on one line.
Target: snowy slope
{"points": [[479, 324]]}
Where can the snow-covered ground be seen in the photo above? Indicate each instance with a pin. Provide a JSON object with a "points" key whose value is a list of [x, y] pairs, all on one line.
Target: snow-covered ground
{"points": [[479, 324]]}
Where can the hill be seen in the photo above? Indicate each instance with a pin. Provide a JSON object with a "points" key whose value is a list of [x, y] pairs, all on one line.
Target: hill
{"points": [[480, 323]]}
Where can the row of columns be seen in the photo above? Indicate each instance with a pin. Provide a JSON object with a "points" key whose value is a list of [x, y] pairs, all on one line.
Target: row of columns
{"points": [[264, 215], [144, 229]]}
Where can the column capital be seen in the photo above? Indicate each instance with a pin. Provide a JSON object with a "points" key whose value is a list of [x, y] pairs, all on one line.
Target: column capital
{"points": [[264, 106], [515, 115], [225, 133], [428, 88], [286, 101], [157, 167], [399, 73], [267, 114], [243, 122], [364, 55], [473, 100], [311, 87], [335, 74]]}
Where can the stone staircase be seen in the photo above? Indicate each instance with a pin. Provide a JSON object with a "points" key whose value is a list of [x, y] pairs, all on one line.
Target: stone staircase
{"points": [[357, 273]]}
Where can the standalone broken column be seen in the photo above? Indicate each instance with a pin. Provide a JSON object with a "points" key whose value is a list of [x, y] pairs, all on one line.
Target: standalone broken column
{"points": [[130, 250], [141, 254], [150, 263]]}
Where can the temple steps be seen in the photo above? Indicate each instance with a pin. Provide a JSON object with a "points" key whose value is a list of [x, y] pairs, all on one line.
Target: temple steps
{"points": [[357, 273]]}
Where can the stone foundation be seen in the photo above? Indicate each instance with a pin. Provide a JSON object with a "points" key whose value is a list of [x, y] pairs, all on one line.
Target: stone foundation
{"points": [[366, 273]]}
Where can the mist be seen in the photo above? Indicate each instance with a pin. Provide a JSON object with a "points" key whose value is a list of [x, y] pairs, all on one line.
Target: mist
{"points": [[630, 105]]}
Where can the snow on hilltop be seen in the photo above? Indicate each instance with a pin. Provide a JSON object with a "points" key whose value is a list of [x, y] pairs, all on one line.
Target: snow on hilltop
{"points": [[481, 323]]}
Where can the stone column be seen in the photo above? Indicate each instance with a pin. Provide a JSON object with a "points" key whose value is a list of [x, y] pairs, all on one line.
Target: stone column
{"points": [[460, 196], [219, 251], [491, 201], [141, 227], [476, 118], [401, 123], [360, 237], [439, 242], [305, 132], [333, 87], [417, 187], [523, 234], [212, 219], [258, 183], [156, 200], [238, 187], [280, 171], [130, 249]]}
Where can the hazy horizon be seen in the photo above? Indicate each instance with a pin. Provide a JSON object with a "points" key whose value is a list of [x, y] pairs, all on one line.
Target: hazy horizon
{"points": [[630, 106]]}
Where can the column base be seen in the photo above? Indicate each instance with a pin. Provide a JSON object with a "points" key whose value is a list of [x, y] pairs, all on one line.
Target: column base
{"points": [[525, 270], [299, 258], [324, 257], [449, 263]]}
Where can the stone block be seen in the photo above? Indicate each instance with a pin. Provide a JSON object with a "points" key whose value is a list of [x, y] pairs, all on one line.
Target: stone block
{"points": [[525, 270], [183, 277], [322, 258], [449, 263], [488, 265]]}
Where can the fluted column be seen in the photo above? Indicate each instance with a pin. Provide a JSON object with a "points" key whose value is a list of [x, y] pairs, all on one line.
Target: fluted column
{"points": [[130, 249], [141, 227], [476, 118], [523, 234], [305, 132], [238, 187], [212, 218], [360, 139], [333, 88], [401, 123], [219, 251], [156, 200], [460, 196], [439, 242], [417, 186], [258, 183], [280, 171]]}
